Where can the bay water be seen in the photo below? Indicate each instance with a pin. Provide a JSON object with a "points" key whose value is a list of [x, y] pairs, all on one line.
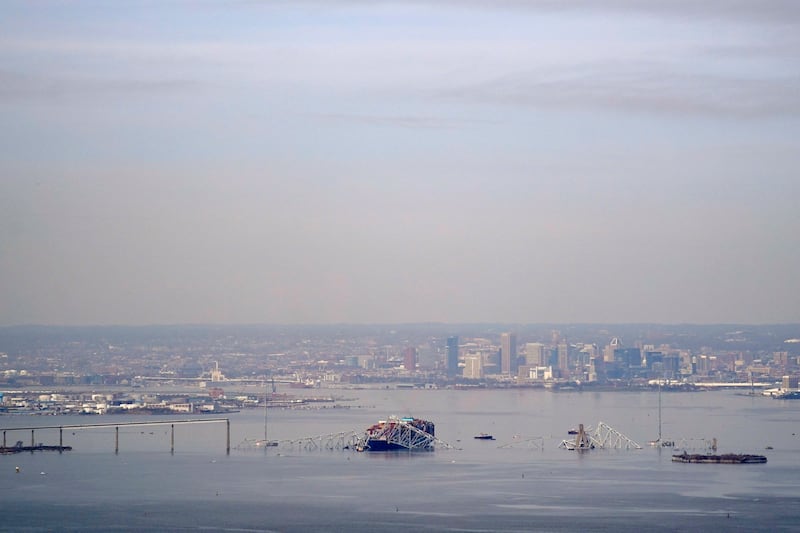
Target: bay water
{"points": [[521, 481]]}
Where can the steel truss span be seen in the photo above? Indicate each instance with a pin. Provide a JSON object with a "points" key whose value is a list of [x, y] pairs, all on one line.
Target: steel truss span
{"points": [[345, 440], [603, 437], [400, 433]]}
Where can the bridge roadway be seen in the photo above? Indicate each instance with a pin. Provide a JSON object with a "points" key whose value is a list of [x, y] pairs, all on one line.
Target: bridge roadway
{"points": [[117, 425]]}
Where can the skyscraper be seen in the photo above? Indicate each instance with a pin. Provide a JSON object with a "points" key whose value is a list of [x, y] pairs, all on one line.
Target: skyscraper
{"points": [[534, 354], [473, 366], [452, 356], [563, 358], [608, 352], [508, 353], [410, 358]]}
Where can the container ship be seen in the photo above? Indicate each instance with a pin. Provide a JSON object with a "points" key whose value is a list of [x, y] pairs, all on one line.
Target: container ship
{"points": [[395, 433]]}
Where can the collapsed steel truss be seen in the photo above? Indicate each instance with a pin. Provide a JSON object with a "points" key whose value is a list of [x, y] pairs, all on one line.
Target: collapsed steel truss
{"points": [[536, 443], [603, 436], [402, 433], [344, 440]]}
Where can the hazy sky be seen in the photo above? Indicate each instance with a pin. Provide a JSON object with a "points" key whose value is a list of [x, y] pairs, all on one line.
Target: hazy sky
{"points": [[380, 161]]}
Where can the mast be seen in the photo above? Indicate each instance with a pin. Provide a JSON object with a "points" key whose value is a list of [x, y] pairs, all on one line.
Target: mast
{"points": [[265, 413], [659, 412]]}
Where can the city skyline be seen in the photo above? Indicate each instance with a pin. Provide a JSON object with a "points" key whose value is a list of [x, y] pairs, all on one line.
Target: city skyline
{"points": [[349, 162]]}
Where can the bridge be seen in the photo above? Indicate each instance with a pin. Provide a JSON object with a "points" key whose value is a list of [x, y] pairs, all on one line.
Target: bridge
{"points": [[536, 443], [117, 425], [603, 436], [344, 440], [397, 432]]}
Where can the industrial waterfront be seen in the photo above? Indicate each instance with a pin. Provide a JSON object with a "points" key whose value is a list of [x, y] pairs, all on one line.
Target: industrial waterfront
{"points": [[520, 481]]}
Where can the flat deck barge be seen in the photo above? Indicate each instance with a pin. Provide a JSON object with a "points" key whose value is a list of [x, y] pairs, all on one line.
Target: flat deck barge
{"points": [[725, 458]]}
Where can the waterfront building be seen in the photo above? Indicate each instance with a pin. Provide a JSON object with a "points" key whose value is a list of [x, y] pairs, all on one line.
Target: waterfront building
{"points": [[508, 354], [563, 359], [452, 356], [534, 354], [608, 352], [672, 366], [216, 373], [410, 358], [473, 366], [537, 373], [629, 357], [597, 369]]}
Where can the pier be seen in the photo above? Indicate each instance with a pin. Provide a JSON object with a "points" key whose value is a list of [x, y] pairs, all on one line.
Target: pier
{"points": [[116, 425]]}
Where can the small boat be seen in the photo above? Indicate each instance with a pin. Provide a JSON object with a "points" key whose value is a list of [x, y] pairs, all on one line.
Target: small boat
{"points": [[662, 443], [484, 436], [572, 431]]}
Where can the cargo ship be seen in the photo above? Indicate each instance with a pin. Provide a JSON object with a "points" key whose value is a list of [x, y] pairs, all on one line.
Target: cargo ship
{"points": [[726, 458], [404, 434]]}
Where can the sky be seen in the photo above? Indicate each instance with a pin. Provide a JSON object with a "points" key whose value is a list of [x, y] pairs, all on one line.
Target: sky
{"points": [[593, 161]]}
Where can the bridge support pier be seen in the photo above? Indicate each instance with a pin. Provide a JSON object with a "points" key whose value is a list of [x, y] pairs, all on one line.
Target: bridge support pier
{"points": [[116, 426]]}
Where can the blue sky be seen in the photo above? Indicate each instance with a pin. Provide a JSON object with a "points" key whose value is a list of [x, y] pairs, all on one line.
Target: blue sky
{"points": [[456, 161]]}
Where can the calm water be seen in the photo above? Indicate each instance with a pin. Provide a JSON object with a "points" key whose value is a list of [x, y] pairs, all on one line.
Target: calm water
{"points": [[510, 484]]}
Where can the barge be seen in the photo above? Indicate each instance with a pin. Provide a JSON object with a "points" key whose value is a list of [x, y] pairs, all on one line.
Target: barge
{"points": [[726, 458], [19, 448]]}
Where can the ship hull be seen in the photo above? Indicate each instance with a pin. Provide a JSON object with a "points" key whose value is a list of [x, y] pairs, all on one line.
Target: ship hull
{"points": [[383, 446]]}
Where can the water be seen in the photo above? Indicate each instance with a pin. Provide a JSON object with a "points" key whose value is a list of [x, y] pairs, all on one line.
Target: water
{"points": [[510, 484]]}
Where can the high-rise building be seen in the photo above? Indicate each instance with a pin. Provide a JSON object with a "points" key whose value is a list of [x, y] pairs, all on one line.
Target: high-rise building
{"points": [[473, 366], [608, 352], [534, 354], [452, 356], [508, 353], [410, 358], [563, 358], [628, 357]]}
